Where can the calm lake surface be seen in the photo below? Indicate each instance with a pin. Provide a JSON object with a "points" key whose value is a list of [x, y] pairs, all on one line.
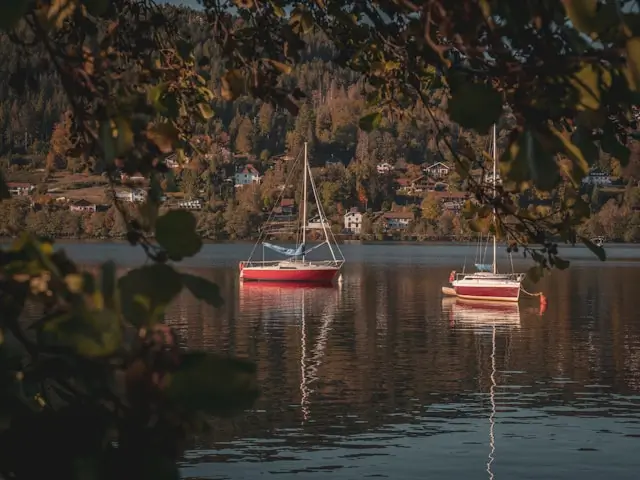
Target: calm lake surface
{"points": [[379, 377]]}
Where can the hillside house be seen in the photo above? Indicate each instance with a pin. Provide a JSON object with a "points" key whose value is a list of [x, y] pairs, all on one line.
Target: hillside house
{"points": [[315, 223], [134, 196], [247, 175], [353, 221], [451, 201], [83, 206], [597, 177], [287, 206], [20, 189], [437, 171], [384, 168], [397, 221]]}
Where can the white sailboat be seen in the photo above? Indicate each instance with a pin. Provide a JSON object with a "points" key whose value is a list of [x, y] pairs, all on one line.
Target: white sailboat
{"points": [[487, 283], [296, 267]]}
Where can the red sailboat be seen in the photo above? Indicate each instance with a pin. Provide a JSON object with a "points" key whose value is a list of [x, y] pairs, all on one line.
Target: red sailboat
{"points": [[297, 266]]}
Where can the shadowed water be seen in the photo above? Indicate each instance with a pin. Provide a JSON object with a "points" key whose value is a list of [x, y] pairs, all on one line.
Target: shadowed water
{"points": [[379, 377]]}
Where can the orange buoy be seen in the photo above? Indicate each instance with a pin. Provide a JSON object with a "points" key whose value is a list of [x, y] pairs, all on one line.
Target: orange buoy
{"points": [[452, 276], [543, 304]]}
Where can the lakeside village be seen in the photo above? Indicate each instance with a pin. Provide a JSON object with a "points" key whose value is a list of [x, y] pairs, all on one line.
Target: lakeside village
{"points": [[420, 202]]}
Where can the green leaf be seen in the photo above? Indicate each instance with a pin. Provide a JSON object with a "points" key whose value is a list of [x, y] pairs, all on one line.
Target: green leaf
{"points": [[164, 135], [475, 105], [277, 9], [535, 273], [203, 289], [563, 145], [598, 251], [205, 111], [212, 384], [582, 140], [370, 122], [11, 12], [176, 233], [146, 291], [590, 82], [91, 334]]}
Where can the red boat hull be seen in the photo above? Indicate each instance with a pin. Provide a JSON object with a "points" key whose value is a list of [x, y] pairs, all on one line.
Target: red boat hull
{"points": [[312, 275], [495, 293]]}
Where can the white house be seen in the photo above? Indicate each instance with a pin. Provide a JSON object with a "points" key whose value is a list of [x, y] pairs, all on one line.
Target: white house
{"points": [[137, 195], [353, 221], [316, 224], [247, 176], [437, 171], [384, 167], [20, 189], [597, 177], [397, 220]]}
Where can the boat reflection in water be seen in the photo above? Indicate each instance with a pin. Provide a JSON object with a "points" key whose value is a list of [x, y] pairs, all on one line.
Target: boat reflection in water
{"points": [[486, 319], [315, 306]]}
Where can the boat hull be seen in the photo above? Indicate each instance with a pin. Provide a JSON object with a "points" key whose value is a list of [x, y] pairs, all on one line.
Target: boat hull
{"points": [[504, 292], [303, 275]]}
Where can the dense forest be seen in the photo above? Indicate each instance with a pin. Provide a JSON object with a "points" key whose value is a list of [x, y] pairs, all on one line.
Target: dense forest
{"points": [[34, 133]]}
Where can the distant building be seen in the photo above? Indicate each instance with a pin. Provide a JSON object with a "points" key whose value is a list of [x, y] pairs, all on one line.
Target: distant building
{"points": [[195, 204], [134, 196], [397, 220], [353, 221], [247, 175], [20, 189], [437, 171], [316, 224], [597, 177], [384, 168], [83, 206]]}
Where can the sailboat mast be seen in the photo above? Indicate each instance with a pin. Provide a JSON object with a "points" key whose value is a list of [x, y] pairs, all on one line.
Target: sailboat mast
{"points": [[495, 266], [304, 204]]}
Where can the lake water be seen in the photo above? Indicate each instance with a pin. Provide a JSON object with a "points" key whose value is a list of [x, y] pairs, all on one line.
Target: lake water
{"points": [[379, 377]]}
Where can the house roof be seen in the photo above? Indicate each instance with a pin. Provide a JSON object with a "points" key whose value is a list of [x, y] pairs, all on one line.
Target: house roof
{"points": [[398, 215], [19, 185], [440, 164], [450, 195], [287, 202], [82, 203], [249, 169]]}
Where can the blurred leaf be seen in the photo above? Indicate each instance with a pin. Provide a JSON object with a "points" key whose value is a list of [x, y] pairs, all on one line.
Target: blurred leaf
{"points": [[598, 251], [176, 233], [561, 264], [205, 111], [370, 122], [108, 143], [233, 85], [535, 273], [277, 9], [146, 291], [590, 82], [108, 283], [563, 145], [203, 289], [281, 67], [582, 13], [124, 136], [96, 7], [90, 334], [56, 12], [212, 384], [611, 145], [164, 135], [11, 12], [475, 105], [633, 62], [526, 159], [589, 149], [184, 49]]}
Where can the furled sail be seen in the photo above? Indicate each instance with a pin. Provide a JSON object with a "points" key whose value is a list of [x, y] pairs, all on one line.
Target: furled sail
{"points": [[484, 267], [291, 252]]}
